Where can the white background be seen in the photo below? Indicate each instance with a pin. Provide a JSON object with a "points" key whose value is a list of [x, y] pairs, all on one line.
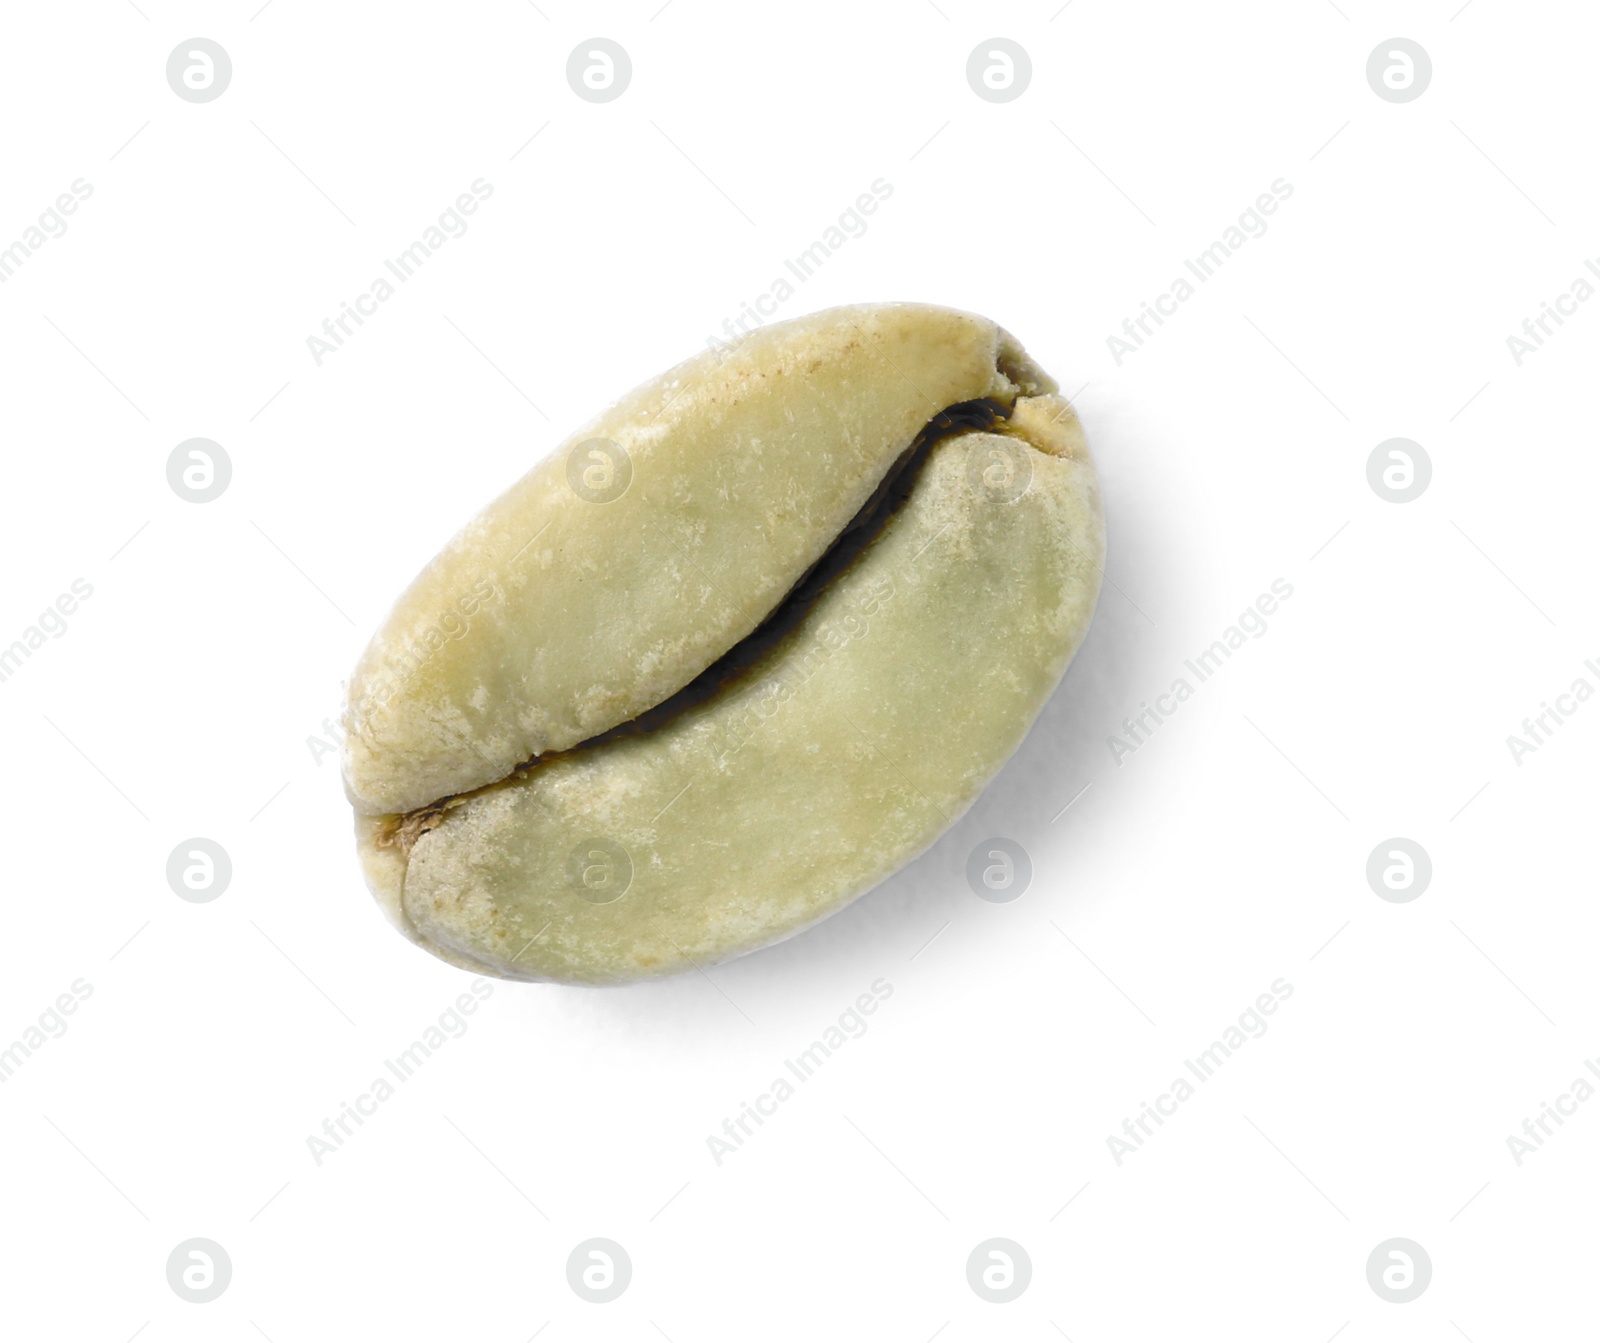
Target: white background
{"points": [[185, 695]]}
